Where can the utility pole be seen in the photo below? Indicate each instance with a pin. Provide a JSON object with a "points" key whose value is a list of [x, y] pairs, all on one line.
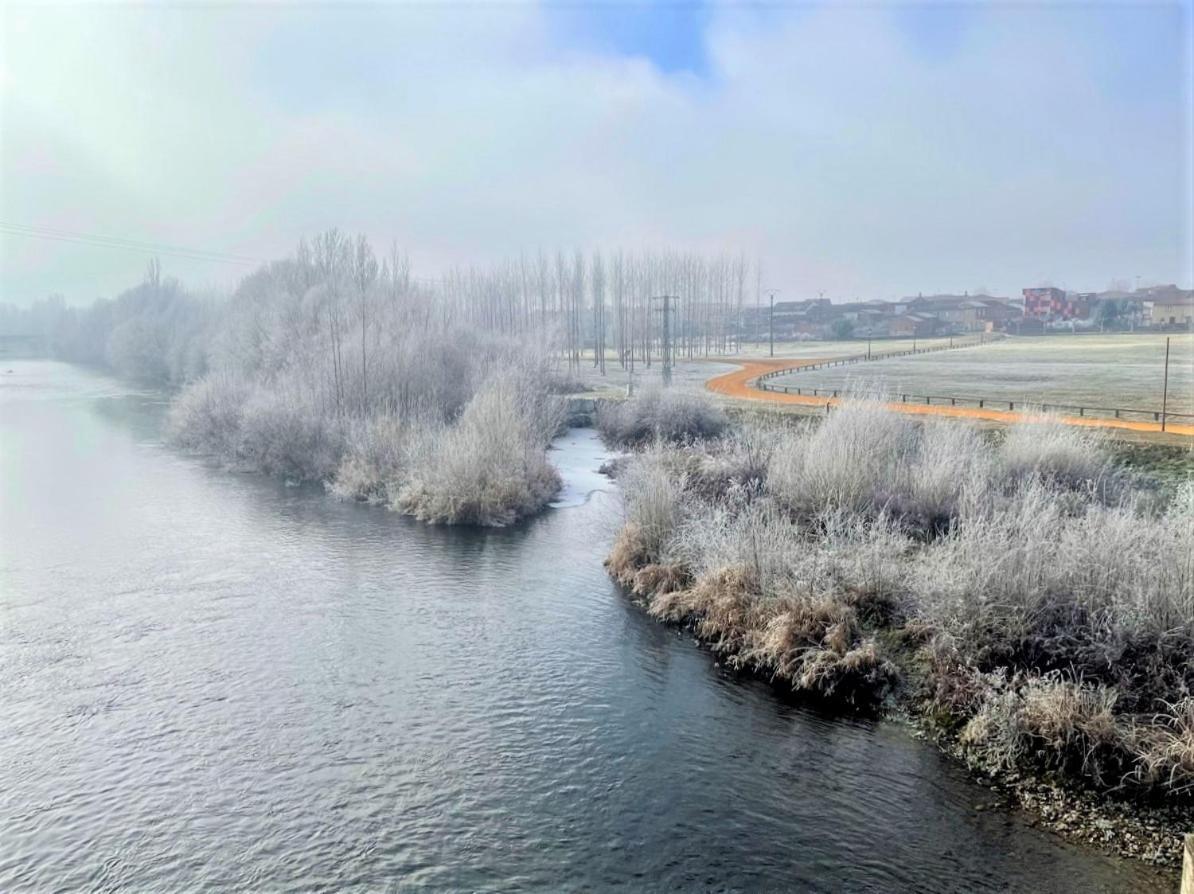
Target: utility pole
{"points": [[771, 323], [1165, 386]]}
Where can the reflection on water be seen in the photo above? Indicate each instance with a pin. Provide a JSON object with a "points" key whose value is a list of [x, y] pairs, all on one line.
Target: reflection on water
{"points": [[212, 680], [579, 455]]}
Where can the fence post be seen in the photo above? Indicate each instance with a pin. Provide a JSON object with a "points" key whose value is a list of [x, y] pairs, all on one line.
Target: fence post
{"points": [[1188, 866], [1165, 392]]}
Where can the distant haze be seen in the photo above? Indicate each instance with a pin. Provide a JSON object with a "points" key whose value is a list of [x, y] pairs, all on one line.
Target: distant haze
{"points": [[866, 152]]}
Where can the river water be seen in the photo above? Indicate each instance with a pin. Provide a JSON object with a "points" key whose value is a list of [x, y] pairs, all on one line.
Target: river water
{"points": [[215, 680]]}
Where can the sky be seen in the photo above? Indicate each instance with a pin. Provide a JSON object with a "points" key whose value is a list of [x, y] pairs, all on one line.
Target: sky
{"points": [[859, 151]]}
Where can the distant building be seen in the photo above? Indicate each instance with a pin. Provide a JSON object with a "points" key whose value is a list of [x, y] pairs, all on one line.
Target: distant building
{"points": [[912, 326], [1047, 303], [1169, 307], [963, 313]]}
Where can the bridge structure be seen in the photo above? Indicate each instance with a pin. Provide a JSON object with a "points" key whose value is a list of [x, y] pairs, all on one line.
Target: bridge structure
{"points": [[24, 344]]}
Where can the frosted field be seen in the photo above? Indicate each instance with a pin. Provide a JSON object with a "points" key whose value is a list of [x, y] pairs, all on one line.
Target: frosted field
{"points": [[1087, 370], [846, 348], [692, 374]]}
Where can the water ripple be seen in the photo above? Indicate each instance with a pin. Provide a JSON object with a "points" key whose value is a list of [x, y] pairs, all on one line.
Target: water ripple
{"points": [[213, 681]]}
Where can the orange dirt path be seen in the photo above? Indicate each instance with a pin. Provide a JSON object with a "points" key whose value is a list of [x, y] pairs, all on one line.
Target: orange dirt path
{"points": [[740, 384]]}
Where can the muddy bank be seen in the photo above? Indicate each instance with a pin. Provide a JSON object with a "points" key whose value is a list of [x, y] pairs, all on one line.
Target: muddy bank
{"points": [[1133, 830]]}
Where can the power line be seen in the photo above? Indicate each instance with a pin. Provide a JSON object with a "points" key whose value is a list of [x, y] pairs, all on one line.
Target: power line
{"points": [[193, 254], [153, 248]]}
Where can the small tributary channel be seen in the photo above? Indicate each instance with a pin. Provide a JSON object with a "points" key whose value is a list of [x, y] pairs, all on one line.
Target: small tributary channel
{"points": [[211, 680]]}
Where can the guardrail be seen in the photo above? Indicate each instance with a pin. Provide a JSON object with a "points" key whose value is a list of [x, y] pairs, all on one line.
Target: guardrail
{"points": [[984, 403], [868, 356]]}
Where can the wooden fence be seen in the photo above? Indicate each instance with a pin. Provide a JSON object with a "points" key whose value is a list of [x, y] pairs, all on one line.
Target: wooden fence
{"points": [[952, 400]]}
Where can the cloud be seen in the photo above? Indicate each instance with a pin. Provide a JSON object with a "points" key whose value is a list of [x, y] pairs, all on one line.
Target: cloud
{"points": [[860, 151]]}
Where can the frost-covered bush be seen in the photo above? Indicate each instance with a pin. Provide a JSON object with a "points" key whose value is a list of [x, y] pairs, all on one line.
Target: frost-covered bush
{"points": [[374, 459], [206, 416], [1057, 723], [489, 466], [284, 434], [667, 414], [857, 460], [1060, 454], [1108, 591]]}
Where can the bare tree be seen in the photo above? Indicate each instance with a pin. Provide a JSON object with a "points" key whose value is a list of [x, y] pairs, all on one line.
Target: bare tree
{"points": [[364, 274]]}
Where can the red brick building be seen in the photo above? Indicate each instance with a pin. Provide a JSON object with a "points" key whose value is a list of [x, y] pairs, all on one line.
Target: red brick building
{"points": [[1048, 303]]}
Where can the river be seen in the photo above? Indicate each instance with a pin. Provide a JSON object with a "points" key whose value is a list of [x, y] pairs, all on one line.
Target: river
{"points": [[216, 680]]}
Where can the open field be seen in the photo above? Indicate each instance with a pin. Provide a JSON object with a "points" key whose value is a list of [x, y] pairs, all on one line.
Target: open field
{"points": [[693, 374], [846, 347], [1088, 370], [741, 384]]}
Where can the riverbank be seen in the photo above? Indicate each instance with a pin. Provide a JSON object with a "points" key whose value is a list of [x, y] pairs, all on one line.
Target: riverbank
{"points": [[1132, 830], [1025, 599], [1153, 834]]}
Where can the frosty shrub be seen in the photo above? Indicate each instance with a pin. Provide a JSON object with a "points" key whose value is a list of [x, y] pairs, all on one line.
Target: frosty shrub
{"points": [[667, 414], [489, 466], [1045, 595]]}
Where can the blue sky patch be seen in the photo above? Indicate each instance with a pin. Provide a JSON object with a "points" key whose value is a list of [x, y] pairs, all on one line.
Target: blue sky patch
{"points": [[671, 35]]}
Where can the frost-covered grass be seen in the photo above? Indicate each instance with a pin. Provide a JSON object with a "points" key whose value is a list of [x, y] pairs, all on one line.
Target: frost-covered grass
{"points": [[1038, 597], [1113, 370]]}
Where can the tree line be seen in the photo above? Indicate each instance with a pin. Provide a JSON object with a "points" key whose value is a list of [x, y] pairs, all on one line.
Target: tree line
{"points": [[590, 308]]}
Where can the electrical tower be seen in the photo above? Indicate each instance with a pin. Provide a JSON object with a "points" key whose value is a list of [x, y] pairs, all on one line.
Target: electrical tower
{"points": [[669, 302]]}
